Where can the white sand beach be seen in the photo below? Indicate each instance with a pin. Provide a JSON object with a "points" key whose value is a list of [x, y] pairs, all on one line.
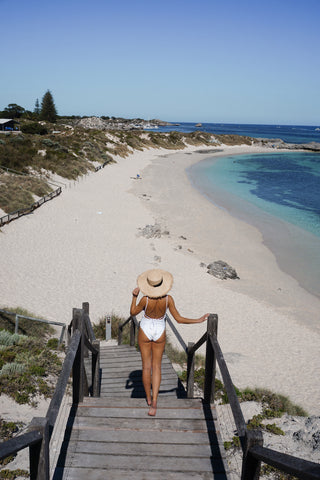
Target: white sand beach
{"points": [[86, 245]]}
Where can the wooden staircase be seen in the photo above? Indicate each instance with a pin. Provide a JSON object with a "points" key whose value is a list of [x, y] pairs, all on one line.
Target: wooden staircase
{"points": [[112, 437]]}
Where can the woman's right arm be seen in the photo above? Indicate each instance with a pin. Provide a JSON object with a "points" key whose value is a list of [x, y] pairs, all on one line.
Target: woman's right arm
{"points": [[179, 318], [134, 308]]}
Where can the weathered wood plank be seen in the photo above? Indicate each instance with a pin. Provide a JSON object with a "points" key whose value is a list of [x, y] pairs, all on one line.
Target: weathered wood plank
{"points": [[136, 402], [135, 413], [131, 353], [146, 449], [123, 376], [140, 394], [133, 365], [133, 370], [122, 386], [145, 423], [155, 463], [137, 436], [115, 474]]}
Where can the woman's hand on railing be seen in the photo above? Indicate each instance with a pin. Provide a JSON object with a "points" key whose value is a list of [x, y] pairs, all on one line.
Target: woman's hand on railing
{"points": [[204, 318]]}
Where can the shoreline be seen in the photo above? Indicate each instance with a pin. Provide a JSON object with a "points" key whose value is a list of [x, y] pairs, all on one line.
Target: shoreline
{"points": [[88, 246], [296, 250]]}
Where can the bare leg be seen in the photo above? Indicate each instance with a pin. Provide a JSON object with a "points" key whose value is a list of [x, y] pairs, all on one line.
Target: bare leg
{"points": [[145, 351], [157, 348]]}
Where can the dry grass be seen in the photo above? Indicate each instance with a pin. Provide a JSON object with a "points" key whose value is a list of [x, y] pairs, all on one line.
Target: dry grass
{"points": [[18, 191]]}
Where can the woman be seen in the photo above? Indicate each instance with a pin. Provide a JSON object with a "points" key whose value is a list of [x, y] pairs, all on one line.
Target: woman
{"points": [[155, 284]]}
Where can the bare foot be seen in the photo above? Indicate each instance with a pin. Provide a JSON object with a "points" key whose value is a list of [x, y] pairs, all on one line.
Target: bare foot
{"points": [[152, 410], [149, 402]]}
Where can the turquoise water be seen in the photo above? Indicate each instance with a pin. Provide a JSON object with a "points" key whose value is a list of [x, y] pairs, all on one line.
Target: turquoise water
{"points": [[284, 185], [279, 193]]}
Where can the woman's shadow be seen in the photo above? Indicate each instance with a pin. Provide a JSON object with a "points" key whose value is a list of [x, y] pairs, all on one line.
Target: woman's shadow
{"points": [[134, 382]]}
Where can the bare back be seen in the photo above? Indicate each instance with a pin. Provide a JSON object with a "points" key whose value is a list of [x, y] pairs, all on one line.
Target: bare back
{"points": [[156, 307]]}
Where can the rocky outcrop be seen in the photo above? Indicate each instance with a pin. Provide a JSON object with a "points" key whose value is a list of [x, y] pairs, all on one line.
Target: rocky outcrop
{"points": [[92, 122], [107, 123], [279, 144]]}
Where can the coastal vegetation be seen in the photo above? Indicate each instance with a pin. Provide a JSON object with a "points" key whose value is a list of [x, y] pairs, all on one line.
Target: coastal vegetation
{"points": [[66, 148], [29, 367], [29, 359]]}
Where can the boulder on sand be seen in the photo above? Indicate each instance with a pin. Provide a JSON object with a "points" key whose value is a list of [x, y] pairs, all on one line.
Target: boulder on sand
{"points": [[221, 270]]}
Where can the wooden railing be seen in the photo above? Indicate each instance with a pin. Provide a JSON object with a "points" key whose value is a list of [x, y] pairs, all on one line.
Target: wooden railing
{"points": [[24, 211], [134, 324], [99, 167], [251, 441], [41, 320], [37, 438]]}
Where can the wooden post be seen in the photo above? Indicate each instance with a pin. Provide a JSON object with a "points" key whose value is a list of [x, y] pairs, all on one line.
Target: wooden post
{"points": [[210, 365], [96, 370], [39, 453], [250, 465], [190, 371], [132, 333], [78, 366], [85, 307]]}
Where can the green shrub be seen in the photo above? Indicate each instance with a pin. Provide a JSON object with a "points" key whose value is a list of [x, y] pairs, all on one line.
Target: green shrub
{"points": [[274, 404], [34, 128], [7, 430], [276, 474], [13, 474], [28, 365], [12, 368], [53, 343], [235, 443], [8, 339], [273, 428]]}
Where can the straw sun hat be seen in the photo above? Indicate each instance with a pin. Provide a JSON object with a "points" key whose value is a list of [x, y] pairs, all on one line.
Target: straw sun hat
{"points": [[155, 283]]}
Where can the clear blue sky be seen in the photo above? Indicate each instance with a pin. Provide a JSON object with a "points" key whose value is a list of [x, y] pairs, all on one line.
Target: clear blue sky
{"points": [[231, 61]]}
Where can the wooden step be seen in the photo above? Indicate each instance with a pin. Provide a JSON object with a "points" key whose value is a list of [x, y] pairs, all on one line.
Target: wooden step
{"points": [[112, 437]]}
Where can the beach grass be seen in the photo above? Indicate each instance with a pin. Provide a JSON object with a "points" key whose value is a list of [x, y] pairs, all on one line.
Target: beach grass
{"points": [[18, 191], [29, 360], [26, 327]]}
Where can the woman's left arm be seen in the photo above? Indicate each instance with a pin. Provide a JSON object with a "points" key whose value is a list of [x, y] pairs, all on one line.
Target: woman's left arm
{"points": [[135, 309]]}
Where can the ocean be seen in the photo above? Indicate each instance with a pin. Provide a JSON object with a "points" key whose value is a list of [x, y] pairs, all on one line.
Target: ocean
{"points": [[287, 133], [279, 193]]}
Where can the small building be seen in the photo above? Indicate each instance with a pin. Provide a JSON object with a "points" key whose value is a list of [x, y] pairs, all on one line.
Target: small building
{"points": [[7, 124]]}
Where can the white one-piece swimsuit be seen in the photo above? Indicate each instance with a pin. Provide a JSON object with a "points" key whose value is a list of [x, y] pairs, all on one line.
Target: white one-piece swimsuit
{"points": [[153, 327]]}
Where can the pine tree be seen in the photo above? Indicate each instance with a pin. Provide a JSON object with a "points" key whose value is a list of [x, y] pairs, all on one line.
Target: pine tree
{"points": [[37, 107], [48, 109]]}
